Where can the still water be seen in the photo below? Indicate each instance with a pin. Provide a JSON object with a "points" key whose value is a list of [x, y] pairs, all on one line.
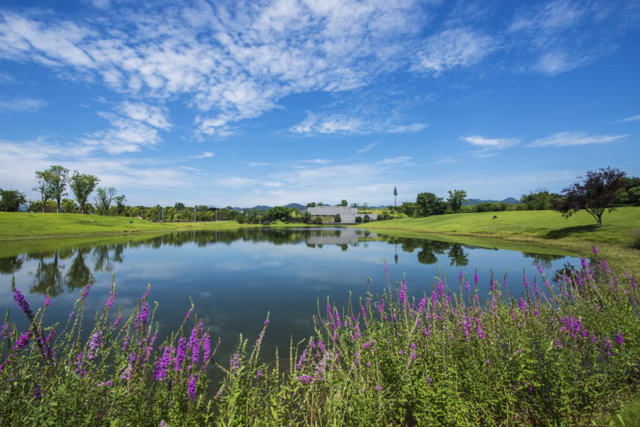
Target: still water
{"points": [[236, 277]]}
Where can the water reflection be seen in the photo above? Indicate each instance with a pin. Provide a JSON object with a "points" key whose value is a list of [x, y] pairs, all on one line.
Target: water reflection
{"points": [[73, 267]]}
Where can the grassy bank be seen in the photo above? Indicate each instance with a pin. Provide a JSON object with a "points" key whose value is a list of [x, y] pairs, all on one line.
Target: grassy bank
{"points": [[544, 228], [444, 357], [19, 225]]}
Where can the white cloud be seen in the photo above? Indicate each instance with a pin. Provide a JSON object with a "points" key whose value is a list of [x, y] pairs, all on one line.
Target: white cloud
{"points": [[445, 160], [368, 148], [573, 138], [632, 119], [489, 147], [341, 124], [22, 105], [205, 155], [458, 47], [152, 115]]}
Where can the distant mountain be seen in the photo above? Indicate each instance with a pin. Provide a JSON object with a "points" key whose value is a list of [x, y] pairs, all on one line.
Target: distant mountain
{"points": [[508, 200], [266, 208]]}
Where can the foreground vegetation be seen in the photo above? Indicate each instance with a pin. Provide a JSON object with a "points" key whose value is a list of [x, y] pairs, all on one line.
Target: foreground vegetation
{"points": [[563, 352], [20, 225]]}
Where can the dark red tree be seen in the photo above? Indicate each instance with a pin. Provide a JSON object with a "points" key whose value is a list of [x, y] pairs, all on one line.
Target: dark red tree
{"points": [[595, 194]]}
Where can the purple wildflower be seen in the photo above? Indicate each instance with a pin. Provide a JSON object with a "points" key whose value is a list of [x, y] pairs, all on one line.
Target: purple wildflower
{"points": [[85, 291], [303, 358], [305, 379], [112, 296], [95, 343], [162, 365], [191, 390], [180, 354], [595, 250], [206, 345], [234, 363], [378, 388], [162, 424], [259, 374], [47, 300], [23, 304], [619, 339], [22, 341], [142, 316]]}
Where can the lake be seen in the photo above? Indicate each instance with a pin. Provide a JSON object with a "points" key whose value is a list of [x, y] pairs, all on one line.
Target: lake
{"points": [[236, 277]]}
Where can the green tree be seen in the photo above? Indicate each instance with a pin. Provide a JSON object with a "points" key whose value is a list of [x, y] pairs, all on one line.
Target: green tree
{"points": [[82, 186], [104, 198], [337, 218], [42, 187], [69, 206], [408, 208], [595, 194], [456, 200], [311, 204], [120, 206], [58, 178], [428, 204], [10, 200], [344, 203]]}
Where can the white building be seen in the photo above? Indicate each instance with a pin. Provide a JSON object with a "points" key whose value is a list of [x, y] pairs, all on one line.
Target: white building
{"points": [[347, 215]]}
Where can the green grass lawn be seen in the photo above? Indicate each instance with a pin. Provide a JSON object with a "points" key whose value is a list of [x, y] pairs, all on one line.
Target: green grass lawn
{"points": [[19, 225]]}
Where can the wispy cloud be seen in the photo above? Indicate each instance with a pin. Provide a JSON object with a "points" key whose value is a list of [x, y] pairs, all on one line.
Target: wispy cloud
{"points": [[205, 155], [22, 105], [489, 147], [445, 160], [632, 119], [338, 124], [566, 34], [573, 138], [368, 148], [458, 47]]}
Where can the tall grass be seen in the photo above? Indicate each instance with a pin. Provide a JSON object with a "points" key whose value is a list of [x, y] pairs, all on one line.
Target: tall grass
{"points": [[563, 352]]}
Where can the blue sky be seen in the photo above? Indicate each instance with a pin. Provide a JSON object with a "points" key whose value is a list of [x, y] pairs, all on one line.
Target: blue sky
{"points": [[271, 102]]}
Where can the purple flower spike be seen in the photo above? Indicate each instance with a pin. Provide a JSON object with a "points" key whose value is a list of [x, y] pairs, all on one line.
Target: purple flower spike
{"points": [[191, 390], [595, 250], [47, 300], [85, 291], [23, 304]]}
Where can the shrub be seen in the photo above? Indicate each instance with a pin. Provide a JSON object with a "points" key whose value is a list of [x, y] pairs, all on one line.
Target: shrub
{"points": [[366, 218], [337, 218], [318, 220], [358, 219]]}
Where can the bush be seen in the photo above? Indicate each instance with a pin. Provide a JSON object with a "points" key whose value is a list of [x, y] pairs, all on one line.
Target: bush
{"points": [[337, 218], [358, 219], [318, 220], [491, 207], [366, 218]]}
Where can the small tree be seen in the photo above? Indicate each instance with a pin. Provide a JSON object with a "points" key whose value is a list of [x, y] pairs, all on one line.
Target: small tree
{"points": [[42, 187], [104, 198], [595, 194], [69, 206], [120, 206], [358, 219], [82, 186], [367, 218], [456, 200], [337, 218], [10, 200], [318, 220], [428, 204], [344, 203]]}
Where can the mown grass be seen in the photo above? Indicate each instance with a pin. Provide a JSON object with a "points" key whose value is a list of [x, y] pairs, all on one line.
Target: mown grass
{"points": [[563, 352], [20, 225]]}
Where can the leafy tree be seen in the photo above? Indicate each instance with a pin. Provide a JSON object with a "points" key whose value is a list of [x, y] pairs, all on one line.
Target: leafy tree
{"points": [[408, 208], [69, 206], [318, 220], [58, 178], [358, 219], [428, 204], [281, 213], [42, 186], [366, 219], [595, 194], [82, 186], [104, 198], [456, 200], [179, 206], [120, 206], [311, 205], [337, 218], [344, 203], [10, 200], [540, 199]]}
